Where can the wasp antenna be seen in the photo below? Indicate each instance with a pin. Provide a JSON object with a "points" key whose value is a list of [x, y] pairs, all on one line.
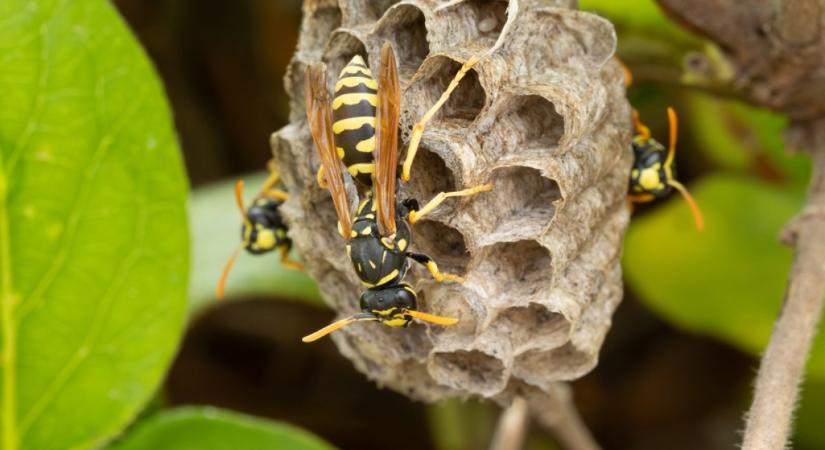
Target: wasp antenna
{"points": [[239, 199], [225, 273], [438, 320], [641, 129], [359, 317], [673, 123], [694, 208]]}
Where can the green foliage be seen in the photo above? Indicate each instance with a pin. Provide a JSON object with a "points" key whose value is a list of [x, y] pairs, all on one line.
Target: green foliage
{"points": [[214, 429], [708, 281], [216, 234], [93, 231], [740, 137]]}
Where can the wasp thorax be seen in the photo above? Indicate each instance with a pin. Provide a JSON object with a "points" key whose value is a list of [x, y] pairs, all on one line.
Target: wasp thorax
{"points": [[264, 231], [544, 119]]}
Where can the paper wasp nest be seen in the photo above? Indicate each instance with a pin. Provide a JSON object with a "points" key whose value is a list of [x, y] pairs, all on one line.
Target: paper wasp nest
{"points": [[544, 118]]}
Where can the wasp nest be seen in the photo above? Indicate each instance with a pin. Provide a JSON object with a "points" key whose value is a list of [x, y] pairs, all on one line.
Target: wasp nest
{"points": [[543, 117]]}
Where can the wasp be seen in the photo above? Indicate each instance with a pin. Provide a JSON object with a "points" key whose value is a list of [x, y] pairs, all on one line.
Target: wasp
{"points": [[379, 236], [653, 175], [263, 229]]}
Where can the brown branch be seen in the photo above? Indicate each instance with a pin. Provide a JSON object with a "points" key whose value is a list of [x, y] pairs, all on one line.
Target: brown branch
{"points": [[783, 364]]}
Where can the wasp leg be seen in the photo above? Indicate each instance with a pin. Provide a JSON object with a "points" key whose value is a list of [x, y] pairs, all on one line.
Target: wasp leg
{"points": [[286, 261], [628, 75], [418, 129], [428, 262], [272, 179], [322, 182], [640, 198], [276, 194], [415, 216]]}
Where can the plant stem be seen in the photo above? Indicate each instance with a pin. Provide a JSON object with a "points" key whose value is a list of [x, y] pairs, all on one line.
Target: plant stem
{"points": [[769, 421], [512, 426], [556, 411]]}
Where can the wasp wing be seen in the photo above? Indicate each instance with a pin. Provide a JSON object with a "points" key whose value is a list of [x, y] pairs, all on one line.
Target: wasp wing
{"points": [[386, 139], [319, 116]]}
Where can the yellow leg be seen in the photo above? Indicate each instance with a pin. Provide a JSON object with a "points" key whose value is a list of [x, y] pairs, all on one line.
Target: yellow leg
{"points": [[287, 262], [418, 129], [415, 216], [428, 262], [442, 276], [320, 178], [271, 180], [276, 194]]}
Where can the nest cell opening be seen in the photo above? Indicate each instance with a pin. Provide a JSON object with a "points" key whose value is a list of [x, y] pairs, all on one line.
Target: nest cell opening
{"points": [[472, 370], [429, 175], [526, 124], [521, 269], [443, 243], [325, 19], [533, 326], [464, 104], [342, 46], [405, 26], [525, 203], [489, 17], [560, 364]]}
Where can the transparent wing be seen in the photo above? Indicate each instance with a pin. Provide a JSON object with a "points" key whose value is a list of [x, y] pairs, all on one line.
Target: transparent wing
{"points": [[319, 116], [386, 138]]}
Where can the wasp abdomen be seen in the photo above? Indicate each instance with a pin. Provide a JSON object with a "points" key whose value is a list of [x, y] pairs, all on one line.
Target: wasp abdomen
{"points": [[353, 115]]}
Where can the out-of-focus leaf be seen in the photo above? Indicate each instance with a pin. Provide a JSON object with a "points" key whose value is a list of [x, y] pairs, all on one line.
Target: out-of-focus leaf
{"points": [[93, 234], [639, 17], [727, 281], [216, 233], [738, 136], [214, 429], [809, 435], [458, 424]]}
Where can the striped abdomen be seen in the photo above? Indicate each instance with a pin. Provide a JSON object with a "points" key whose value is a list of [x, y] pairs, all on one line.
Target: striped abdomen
{"points": [[353, 116]]}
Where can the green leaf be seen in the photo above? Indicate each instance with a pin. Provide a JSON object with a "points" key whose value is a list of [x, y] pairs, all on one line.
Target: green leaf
{"points": [[93, 233], [214, 429], [216, 234], [727, 281], [738, 136]]}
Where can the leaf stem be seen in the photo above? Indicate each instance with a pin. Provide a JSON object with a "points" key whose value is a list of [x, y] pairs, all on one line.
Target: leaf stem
{"points": [[8, 407], [512, 426]]}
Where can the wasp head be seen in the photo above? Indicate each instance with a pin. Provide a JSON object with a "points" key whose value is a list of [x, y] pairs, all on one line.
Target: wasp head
{"points": [[390, 305]]}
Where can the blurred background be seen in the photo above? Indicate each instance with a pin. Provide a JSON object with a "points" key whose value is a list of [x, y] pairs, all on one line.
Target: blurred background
{"points": [[677, 366]]}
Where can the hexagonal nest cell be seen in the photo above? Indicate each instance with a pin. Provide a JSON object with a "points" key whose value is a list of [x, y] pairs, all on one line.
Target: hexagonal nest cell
{"points": [[533, 309]]}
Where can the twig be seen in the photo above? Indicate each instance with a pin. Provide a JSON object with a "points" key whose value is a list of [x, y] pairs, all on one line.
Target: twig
{"points": [[512, 425], [782, 368], [556, 411]]}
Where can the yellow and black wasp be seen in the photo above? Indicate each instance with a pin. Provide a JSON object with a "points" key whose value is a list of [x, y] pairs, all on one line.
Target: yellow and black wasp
{"points": [[653, 175], [379, 236], [263, 229]]}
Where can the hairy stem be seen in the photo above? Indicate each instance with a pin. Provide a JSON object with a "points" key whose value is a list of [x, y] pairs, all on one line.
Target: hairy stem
{"points": [[769, 421]]}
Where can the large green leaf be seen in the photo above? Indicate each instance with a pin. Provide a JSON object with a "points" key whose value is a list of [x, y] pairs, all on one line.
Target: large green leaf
{"points": [[216, 233], [727, 281], [94, 258], [214, 429]]}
